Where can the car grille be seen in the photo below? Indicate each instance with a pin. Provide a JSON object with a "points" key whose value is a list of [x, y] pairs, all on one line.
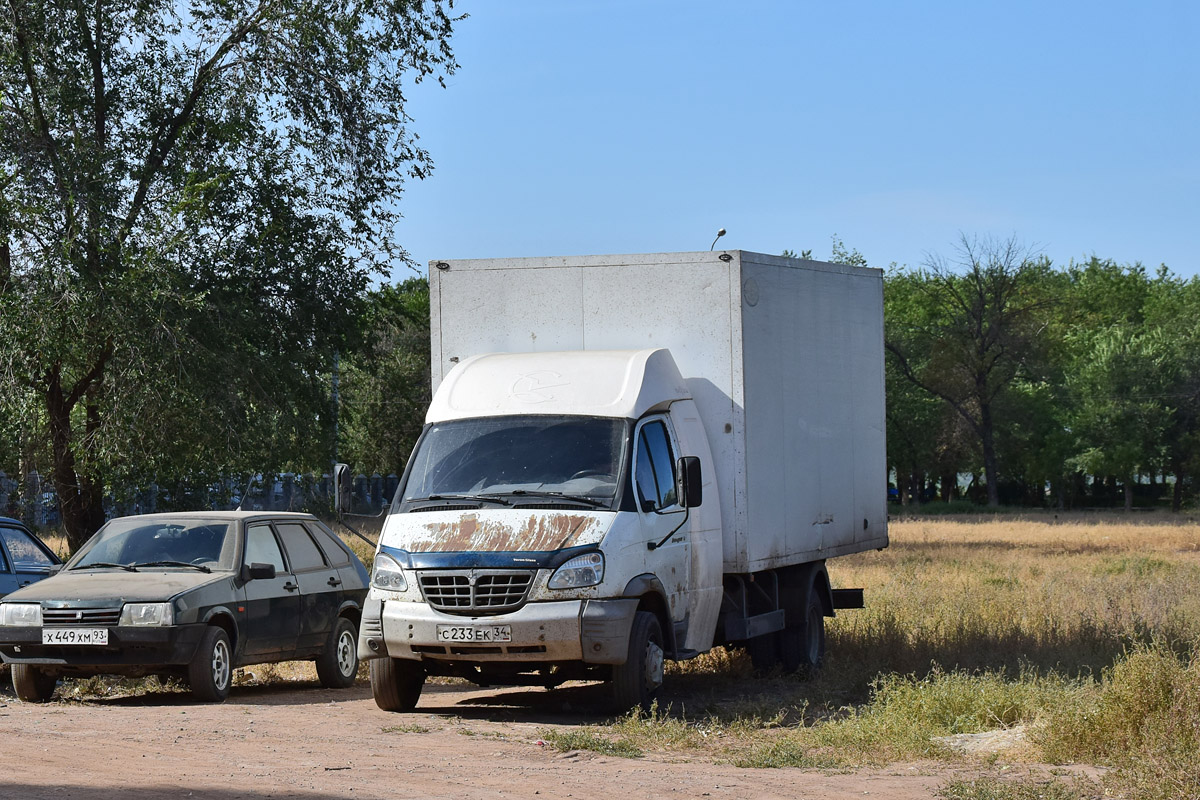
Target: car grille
{"points": [[475, 591], [104, 617]]}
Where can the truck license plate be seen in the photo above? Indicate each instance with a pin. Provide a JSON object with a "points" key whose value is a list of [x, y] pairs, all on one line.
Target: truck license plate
{"points": [[75, 636], [474, 634]]}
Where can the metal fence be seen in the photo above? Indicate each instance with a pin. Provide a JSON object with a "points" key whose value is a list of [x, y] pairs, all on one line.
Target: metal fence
{"points": [[35, 501]]}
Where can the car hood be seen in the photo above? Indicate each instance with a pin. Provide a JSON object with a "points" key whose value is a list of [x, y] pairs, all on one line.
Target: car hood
{"points": [[114, 585]]}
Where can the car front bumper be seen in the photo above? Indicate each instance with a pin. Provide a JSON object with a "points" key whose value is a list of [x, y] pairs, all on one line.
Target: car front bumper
{"points": [[128, 646]]}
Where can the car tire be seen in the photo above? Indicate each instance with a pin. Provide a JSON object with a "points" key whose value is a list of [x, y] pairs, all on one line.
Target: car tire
{"points": [[211, 672], [337, 667], [396, 683], [635, 683], [33, 684]]}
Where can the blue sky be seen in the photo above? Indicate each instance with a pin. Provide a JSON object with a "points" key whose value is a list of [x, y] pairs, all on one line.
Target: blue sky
{"points": [[622, 127]]}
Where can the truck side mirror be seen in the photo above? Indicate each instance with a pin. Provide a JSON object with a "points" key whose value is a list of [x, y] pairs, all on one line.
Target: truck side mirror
{"points": [[342, 487], [691, 482]]}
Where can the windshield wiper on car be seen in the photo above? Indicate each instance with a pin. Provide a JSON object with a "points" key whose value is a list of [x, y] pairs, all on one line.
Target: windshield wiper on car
{"points": [[569, 498], [104, 564], [482, 498], [200, 567]]}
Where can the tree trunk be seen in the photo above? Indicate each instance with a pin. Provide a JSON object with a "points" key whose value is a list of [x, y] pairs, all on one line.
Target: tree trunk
{"points": [[991, 472], [1128, 494], [1177, 489], [949, 487], [80, 497]]}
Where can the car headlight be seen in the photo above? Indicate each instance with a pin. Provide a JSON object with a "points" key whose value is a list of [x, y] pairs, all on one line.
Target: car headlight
{"points": [[147, 614], [580, 571], [387, 575], [26, 614]]}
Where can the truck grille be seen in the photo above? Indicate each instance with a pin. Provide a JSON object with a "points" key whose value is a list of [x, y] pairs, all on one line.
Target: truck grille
{"points": [[103, 617], [475, 591]]}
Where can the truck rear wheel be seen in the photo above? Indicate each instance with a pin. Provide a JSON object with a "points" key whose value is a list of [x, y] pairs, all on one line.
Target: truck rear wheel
{"points": [[802, 642], [396, 683], [33, 684], [635, 683]]}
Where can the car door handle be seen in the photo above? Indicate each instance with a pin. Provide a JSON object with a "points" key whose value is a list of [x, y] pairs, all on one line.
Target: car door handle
{"points": [[25, 583], [291, 587], [334, 582]]}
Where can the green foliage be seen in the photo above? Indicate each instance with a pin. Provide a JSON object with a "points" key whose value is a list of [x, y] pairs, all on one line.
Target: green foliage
{"points": [[194, 199]]}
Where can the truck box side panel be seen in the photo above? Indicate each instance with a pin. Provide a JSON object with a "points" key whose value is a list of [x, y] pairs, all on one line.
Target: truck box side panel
{"points": [[815, 459]]}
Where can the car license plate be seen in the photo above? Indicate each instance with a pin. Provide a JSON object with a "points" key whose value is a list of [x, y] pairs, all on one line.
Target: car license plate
{"points": [[474, 634], [75, 636]]}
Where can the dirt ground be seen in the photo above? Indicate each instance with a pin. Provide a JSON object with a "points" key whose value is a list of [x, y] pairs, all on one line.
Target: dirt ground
{"points": [[289, 741]]}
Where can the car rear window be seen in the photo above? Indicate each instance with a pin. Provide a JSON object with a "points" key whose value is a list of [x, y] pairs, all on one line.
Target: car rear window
{"points": [[334, 550], [302, 551]]}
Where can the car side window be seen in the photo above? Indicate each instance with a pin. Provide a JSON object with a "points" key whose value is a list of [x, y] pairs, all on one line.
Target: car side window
{"points": [[24, 550], [654, 467], [303, 553], [335, 552], [261, 547]]}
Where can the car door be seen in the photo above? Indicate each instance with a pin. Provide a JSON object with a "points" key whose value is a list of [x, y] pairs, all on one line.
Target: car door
{"points": [[320, 585], [272, 621], [659, 509], [23, 558]]}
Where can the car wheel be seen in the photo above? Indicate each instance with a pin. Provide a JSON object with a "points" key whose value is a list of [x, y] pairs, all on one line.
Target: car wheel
{"points": [[33, 684], [396, 683], [338, 665], [635, 683], [211, 671]]}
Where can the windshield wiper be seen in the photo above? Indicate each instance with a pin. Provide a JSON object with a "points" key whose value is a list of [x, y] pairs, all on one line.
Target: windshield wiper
{"points": [[103, 564], [570, 498], [200, 567], [482, 498]]}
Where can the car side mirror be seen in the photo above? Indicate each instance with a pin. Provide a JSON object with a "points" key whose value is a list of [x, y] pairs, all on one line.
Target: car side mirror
{"points": [[343, 485], [257, 572], [54, 569], [691, 482]]}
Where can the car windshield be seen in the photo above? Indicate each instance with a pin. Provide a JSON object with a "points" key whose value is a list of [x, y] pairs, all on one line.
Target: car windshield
{"points": [[543, 457], [134, 541]]}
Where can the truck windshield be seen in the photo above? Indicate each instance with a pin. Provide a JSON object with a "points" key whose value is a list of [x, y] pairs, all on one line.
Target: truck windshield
{"points": [[509, 457]]}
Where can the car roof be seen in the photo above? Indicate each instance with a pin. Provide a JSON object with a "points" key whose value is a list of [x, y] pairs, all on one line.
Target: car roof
{"points": [[11, 521], [231, 516]]}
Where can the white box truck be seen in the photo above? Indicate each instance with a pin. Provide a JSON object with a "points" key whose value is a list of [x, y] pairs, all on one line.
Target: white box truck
{"points": [[629, 459]]}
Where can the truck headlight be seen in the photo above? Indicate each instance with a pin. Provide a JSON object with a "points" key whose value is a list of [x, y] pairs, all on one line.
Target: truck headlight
{"points": [[387, 575], [147, 614], [580, 571], [24, 614]]}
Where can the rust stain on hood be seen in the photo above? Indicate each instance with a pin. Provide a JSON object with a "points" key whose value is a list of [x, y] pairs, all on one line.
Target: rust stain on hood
{"points": [[507, 533]]}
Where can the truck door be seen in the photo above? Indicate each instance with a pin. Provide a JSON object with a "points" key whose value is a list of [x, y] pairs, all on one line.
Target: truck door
{"points": [[655, 484]]}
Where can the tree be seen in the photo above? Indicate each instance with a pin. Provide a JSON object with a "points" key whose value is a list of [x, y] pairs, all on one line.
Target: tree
{"points": [[386, 388], [193, 197], [968, 329]]}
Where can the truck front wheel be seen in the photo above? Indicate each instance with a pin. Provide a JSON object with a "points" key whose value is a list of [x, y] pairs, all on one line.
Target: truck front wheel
{"points": [[396, 683], [635, 683]]}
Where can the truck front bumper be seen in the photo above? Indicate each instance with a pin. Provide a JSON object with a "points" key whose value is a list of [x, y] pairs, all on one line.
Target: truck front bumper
{"points": [[591, 631]]}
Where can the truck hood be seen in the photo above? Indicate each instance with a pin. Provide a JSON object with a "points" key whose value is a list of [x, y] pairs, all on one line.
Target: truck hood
{"points": [[495, 530], [113, 586]]}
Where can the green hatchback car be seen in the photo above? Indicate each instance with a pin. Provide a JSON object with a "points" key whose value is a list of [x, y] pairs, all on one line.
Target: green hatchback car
{"points": [[191, 595]]}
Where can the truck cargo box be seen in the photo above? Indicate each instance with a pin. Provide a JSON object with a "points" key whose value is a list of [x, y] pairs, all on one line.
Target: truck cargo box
{"points": [[784, 358]]}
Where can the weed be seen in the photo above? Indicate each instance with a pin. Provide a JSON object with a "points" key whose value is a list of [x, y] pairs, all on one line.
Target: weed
{"points": [[996, 789]]}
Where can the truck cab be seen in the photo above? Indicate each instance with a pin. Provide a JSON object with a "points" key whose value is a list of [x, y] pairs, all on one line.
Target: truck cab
{"points": [[552, 524]]}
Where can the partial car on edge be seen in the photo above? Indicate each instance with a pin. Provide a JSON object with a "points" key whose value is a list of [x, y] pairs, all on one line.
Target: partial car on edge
{"points": [[192, 595], [24, 558]]}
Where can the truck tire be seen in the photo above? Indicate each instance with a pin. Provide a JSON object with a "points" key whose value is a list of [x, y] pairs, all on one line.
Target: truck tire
{"points": [[396, 683], [211, 672], [802, 641], [337, 667], [635, 683], [764, 653], [33, 684]]}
